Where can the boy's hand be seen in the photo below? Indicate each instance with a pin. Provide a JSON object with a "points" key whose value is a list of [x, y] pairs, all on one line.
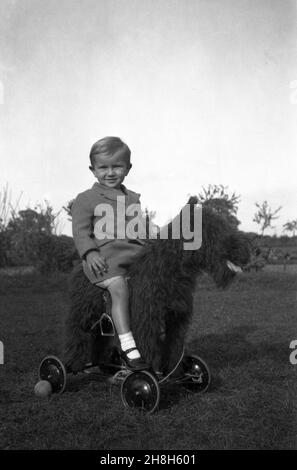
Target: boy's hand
{"points": [[96, 263]]}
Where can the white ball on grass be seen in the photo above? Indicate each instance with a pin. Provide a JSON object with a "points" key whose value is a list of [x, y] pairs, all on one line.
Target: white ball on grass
{"points": [[43, 389]]}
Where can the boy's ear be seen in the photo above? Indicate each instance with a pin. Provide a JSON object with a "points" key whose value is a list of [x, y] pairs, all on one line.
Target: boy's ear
{"points": [[91, 168], [129, 168]]}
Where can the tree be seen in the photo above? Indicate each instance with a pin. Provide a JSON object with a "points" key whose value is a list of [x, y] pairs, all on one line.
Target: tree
{"points": [[39, 219], [291, 227], [67, 209], [7, 209], [217, 198], [26, 229], [264, 216]]}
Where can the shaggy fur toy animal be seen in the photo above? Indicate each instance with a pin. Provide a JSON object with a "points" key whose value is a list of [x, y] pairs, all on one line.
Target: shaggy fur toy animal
{"points": [[162, 283]]}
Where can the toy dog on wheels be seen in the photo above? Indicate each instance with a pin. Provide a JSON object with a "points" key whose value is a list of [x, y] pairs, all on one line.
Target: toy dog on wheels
{"points": [[139, 389], [161, 287], [152, 310]]}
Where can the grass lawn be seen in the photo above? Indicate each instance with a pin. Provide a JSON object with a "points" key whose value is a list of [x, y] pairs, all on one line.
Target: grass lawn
{"points": [[243, 333]]}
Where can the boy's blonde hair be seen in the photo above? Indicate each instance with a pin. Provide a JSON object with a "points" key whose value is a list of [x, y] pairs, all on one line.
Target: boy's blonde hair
{"points": [[109, 146]]}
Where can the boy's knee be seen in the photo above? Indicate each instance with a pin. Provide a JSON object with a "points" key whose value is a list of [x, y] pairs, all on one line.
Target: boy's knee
{"points": [[118, 287]]}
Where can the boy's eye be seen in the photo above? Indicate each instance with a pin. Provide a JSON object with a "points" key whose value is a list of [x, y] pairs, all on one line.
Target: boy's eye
{"points": [[104, 167]]}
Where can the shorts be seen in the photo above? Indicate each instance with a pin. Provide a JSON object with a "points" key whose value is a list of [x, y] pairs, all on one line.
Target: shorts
{"points": [[119, 255], [106, 283]]}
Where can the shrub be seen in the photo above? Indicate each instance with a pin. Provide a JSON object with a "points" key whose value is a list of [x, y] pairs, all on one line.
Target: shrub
{"points": [[4, 248], [51, 253], [28, 239]]}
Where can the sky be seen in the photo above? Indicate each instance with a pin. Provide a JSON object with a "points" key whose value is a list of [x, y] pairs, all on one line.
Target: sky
{"points": [[202, 91]]}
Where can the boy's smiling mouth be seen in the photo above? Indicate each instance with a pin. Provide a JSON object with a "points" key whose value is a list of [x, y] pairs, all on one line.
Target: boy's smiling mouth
{"points": [[111, 180]]}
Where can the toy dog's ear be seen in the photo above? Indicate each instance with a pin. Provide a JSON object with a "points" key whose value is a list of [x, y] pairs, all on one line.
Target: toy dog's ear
{"points": [[193, 201]]}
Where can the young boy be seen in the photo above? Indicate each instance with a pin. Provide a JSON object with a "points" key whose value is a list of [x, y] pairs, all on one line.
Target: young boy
{"points": [[105, 254]]}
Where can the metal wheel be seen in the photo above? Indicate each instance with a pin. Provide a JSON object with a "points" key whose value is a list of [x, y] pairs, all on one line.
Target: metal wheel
{"points": [[141, 390], [53, 370], [197, 376]]}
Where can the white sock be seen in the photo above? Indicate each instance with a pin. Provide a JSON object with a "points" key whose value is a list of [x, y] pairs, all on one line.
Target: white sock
{"points": [[127, 342]]}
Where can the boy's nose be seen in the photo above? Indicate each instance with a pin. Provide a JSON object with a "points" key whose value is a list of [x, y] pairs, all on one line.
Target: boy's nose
{"points": [[110, 171]]}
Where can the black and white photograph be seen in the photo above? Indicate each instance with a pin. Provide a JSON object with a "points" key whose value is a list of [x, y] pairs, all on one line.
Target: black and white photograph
{"points": [[148, 228]]}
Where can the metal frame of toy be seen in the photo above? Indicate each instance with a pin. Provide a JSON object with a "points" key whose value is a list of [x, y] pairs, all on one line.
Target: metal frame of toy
{"points": [[139, 389]]}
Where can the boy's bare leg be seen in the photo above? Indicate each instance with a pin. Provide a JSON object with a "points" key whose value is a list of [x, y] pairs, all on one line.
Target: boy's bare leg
{"points": [[120, 314], [120, 305]]}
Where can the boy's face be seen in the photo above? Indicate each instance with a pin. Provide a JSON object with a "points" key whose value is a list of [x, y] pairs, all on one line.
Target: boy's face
{"points": [[110, 171]]}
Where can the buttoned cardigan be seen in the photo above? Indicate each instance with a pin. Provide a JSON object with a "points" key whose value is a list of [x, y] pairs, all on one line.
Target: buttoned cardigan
{"points": [[87, 212]]}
